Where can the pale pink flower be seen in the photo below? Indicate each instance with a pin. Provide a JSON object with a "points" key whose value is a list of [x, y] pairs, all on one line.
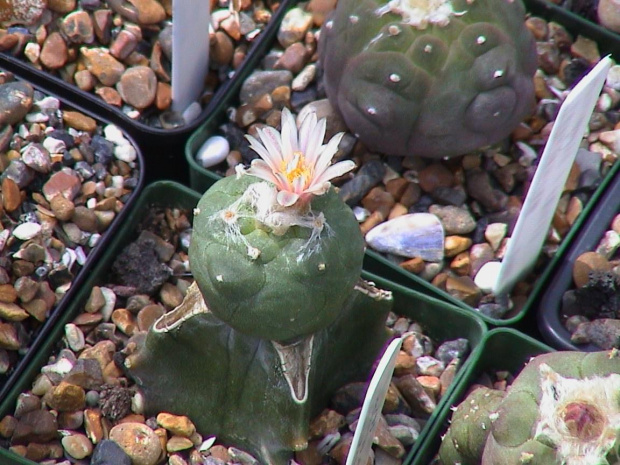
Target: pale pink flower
{"points": [[296, 161]]}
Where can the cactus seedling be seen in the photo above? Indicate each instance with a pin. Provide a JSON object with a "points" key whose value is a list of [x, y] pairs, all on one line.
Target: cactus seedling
{"points": [[432, 78], [563, 408]]}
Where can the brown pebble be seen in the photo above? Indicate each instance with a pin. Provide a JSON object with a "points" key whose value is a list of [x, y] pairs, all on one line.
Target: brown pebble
{"points": [[586, 263], [124, 320], [8, 294], [163, 96], [110, 96], [222, 48], [454, 245], [179, 425], [414, 265], [11, 195], [373, 220], [67, 397], [79, 121], [434, 176], [138, 86], [62, 207], [54, 51], [178, 443], [144, 451], [148, 315], [464, 289]]}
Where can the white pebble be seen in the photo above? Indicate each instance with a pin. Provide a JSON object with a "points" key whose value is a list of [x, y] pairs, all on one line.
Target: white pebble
{"points": [[115, 135], [32, 51], [118, 182], [110, 302], [126, 153], [4, 236], [54, 145], [495, 233], [213, 151], [26, 231], [191, 112], [206, 444], [68, 258], [137, 403], [48, 103], [94, 239], [75, 337], [486, 278], [61, 367], [80, 254], [37, 118]]}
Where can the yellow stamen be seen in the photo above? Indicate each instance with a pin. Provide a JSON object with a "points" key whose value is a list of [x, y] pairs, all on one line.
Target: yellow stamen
{"points": [[295, 168]]}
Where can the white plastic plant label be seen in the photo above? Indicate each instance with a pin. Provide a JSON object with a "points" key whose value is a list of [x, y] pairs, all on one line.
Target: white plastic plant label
{"points": [[551, 174], [190, 51], [373, 403]]}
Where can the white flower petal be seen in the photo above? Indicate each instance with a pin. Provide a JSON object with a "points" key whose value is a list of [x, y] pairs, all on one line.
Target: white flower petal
{"points": [[304, 131], [313, 149], [286, 198], [272, 161], [261, 169], [327, 154], [289, 134], [299, 183], [337, 169], [319, 188], [272, 142]]}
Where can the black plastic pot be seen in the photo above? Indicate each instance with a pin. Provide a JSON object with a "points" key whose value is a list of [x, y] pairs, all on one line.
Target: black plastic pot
{"points": [[41, 334], [586, 238], [440, 321], [502, 349], [163, 148]]}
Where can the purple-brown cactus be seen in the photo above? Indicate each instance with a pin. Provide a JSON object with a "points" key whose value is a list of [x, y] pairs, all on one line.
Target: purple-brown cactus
{"points": [[431, 78]]}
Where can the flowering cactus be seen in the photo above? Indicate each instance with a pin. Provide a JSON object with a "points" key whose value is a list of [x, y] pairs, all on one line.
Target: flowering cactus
{"points": [[563, 408], [433, 78], [278, 317], [275, 252]]}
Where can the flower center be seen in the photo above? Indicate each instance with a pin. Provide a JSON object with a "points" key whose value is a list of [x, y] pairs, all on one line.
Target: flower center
{"points": [[296, 168], [583, 420]]}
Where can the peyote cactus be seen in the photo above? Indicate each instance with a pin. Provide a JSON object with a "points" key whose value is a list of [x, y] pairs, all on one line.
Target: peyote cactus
{"points": [[270, 270], [563, 408], [431, 78], [278, 317]]}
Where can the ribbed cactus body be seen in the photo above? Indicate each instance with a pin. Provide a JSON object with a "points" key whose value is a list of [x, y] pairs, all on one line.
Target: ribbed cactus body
{"points": [[266, 282], [435, 90], [563, 408]]}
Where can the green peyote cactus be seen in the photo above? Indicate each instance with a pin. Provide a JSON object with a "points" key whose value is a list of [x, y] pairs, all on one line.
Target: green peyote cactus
{"points": [[464, 443], [563, 408], [431, 78], [265, 283]]}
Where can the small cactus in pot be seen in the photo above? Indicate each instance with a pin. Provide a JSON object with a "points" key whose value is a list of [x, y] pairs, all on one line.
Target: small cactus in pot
{"points": [[278, 317], [275, 252], [431, 78], [563, 408]]}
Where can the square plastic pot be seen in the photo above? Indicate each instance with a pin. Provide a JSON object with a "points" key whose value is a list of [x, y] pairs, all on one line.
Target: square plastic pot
{"points": [[41, 334], [441, 321], [585, 239], [162, 147], [201, 178], [502, 349]]}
